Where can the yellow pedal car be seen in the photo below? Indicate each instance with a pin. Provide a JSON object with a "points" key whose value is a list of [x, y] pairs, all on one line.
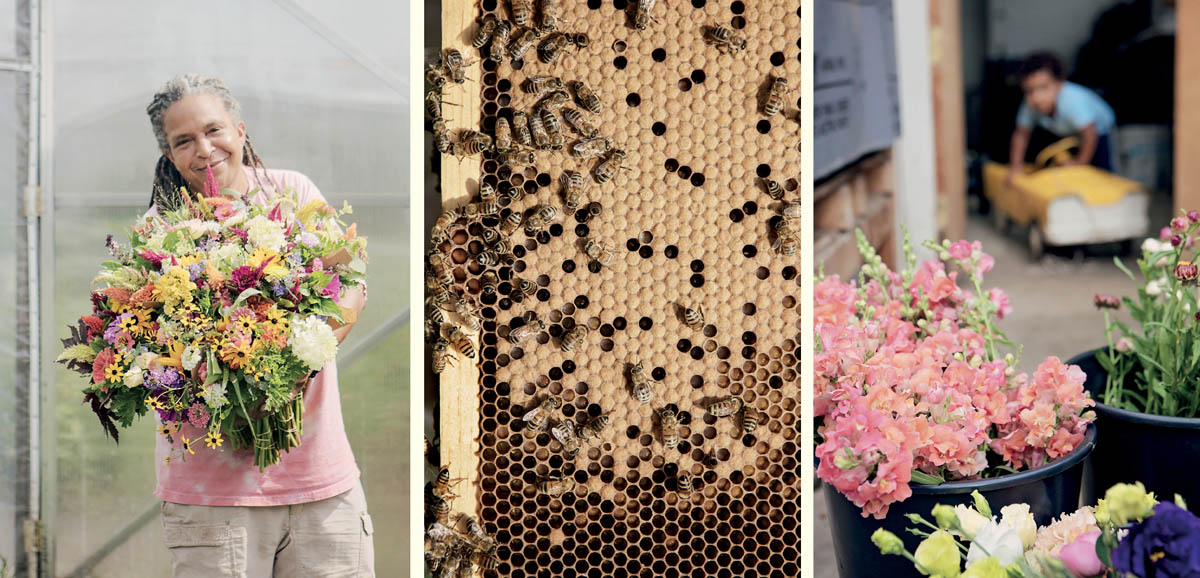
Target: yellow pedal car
{"points": [[1067, 205]]}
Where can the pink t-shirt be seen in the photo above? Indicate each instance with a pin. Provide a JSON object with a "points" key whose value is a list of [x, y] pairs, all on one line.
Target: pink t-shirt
{"points": [[322, 466]]}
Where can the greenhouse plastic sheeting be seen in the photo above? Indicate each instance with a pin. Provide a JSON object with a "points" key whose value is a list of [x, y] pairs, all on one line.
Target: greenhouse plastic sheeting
{"points": [[323, 88]]}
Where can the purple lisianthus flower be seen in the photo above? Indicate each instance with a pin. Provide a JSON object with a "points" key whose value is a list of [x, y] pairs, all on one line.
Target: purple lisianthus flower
{"points": [[1166, 544], [195, 271], [308, 239], [167, 378], [278, 290]]}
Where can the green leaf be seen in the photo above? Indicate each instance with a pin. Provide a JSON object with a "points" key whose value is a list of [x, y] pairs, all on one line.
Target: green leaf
{"points": [[244, 295], [925, 479], [358, 266], [171, 241], [1120, 265]]}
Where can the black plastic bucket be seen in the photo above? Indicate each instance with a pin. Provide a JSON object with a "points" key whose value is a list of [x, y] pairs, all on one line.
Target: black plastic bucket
{"points": [[1161, 452], [1050, 491]]}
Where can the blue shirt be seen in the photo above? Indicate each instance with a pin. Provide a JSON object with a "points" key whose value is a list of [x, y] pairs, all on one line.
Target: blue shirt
{"points": [[1075, 109]]}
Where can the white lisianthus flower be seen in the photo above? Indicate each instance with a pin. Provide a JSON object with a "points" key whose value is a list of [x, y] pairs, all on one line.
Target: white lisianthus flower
{"points": [[155, 241], [999, 541], [133, 377], [1017, 516], [191, 357], [265, 233], [970, 520], [1153, 288], [312, 341], [231, 256], [201, 228]]}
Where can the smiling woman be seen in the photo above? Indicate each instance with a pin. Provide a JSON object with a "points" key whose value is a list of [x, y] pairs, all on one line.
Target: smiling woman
{"points": [[222, 515]]}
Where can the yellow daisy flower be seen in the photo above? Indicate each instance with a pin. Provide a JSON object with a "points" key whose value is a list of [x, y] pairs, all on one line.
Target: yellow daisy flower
{"points": [[187, 445], [214, 440], [165, 430]]}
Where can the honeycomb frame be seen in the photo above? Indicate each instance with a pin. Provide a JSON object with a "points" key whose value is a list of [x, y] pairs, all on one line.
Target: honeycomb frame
{"points": [[691, 224]]}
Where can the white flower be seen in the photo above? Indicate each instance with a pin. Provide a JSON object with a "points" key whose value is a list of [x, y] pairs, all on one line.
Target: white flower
{"points": [[191, 357], [143, 360], [1153, 288], [996, 540], [133, 377], [230, 255], [970, 520], [265, 233], [1017, 516], [214, 395], [312, 341]]}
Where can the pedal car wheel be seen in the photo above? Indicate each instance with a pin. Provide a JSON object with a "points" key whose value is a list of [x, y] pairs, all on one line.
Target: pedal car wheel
{"points": [[1037, 240]]}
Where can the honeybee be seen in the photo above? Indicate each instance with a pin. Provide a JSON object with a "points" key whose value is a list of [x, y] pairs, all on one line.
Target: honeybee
{"points": [[669, 424], [489, 281], [694, 318], [441, 136], [446, 219], [462, 342], [555, 100], [791, 210], [556, 486], [513, 159], [594, 427], [486, 560], [433, 104], [726, 407], [541, 216], [500, 41], [438, 532], [574, 338], [521, 128], [773, 189], [787, 240], [522, 11], [504, 136], [608, 167], [525, 286], [485, 31], [467, 313], [551, 14], [585, 97], [724, 39], [749, 420], [572, 190], [683, 486], [434, 313], [522, 43], [539, 85], [441, 512], [537, 418], [442, 271], [434, 76], [553, 128], [541, 139], [590, 147], [599, 252], [470, 147], [642, 16], [488, 258], [502, 246], [487, 193], [479, 538], [643, 388], [452, 561], [564, 432], [443, 483], [774, 103], [455, 65], [512, 222], [441, 357], [551, 49], [575, 119], [526, 331]]}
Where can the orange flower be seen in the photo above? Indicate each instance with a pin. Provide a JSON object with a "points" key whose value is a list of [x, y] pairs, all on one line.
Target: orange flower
{"points": [[117, 294], [142, 296], [173, 359], [237, 353]]}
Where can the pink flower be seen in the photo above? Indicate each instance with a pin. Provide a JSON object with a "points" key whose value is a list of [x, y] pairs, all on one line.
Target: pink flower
{"points": [[1164, 233], [960, 250], [224, 212], [1193, 216], [1079, 557], [1000, 299], [1179, 224], [333, 289], [198, 416]]}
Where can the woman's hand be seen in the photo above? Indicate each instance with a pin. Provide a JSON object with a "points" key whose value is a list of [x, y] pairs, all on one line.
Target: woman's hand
{"points": [[352, 301]]}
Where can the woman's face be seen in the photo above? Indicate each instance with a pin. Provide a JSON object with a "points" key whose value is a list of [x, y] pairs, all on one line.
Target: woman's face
{"points": [[201, 133]]}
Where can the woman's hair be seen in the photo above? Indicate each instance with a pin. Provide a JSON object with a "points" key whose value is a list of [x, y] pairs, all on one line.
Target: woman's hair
{"points": [[167, 180], [1041, 61]]}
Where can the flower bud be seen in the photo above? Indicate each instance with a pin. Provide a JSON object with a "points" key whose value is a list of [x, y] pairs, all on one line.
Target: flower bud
{"points": [[1179, 224], [945, 517], [1176, 240], [1193, 216], [887, 542], [1125, 345], [1185, 271], [981, 504], [1104, 301]]}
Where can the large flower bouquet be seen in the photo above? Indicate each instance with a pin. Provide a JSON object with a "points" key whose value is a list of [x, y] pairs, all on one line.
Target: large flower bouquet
{"points": [[1128, 533], [911, 384], [216, 314], [1156, 369]]}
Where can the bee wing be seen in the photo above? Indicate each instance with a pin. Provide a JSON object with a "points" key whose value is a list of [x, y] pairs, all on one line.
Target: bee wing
{"points": [[529, 415], [563, 431]]}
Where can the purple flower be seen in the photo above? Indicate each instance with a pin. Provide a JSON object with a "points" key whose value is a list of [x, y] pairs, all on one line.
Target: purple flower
{"points": [[1166, 544], [308, 239], [245, 277], [167, 378], [195, 271], [278, 290]]}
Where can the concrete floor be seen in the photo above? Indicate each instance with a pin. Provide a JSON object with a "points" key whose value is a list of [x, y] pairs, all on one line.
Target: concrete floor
{"points": [[1052, 313]]}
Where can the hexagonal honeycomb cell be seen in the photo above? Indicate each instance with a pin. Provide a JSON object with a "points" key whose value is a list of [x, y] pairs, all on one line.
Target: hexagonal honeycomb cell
{"points": [[690, 225]]}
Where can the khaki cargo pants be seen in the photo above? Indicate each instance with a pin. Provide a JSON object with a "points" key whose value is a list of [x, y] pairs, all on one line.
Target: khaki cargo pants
{"points": [[331, 538]]}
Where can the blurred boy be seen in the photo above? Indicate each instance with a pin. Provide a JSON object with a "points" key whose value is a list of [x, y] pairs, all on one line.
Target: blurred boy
{"points": [[1063, 109]]}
